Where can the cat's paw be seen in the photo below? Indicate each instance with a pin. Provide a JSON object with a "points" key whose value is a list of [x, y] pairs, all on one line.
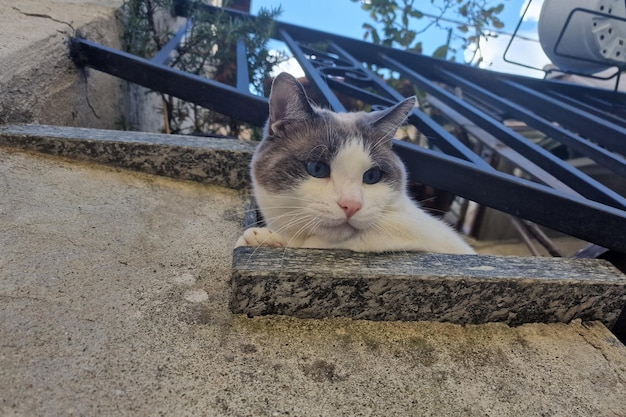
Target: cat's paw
{"points": [[260, 236]]}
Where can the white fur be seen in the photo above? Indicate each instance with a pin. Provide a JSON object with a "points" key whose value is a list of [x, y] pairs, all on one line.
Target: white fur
{"points": [[311, 216]]}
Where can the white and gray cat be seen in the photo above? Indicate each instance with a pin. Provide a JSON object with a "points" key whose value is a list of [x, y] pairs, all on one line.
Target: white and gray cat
{"points": [[330, 180]]}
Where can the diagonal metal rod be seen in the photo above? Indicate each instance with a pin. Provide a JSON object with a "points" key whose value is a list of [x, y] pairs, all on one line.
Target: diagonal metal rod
{"points": [[593, 151], [164, 56], [570, 176], [585, 219], [435, 132], [199, 90], [589, 108], [598, 129], [311, 72], [243, 77]]}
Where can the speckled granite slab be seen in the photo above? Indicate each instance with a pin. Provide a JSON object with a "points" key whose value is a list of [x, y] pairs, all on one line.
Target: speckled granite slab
{"points": [[208, 160], [417, 286]]}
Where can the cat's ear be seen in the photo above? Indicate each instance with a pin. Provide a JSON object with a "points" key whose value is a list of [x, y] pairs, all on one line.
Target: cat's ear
{"points": [[389, 120], [288, 102]]}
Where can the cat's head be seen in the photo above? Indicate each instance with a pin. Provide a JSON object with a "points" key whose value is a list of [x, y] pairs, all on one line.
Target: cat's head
{"points": [[323, 173]]}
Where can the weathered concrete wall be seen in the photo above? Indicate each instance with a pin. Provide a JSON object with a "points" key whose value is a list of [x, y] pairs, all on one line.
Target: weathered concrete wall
{"points": [[114, 290], [38, 81]]}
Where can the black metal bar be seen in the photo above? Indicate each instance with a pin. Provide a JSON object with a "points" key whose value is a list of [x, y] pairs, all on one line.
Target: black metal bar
{"points": [[164, 56], [526, 165], [444, 140], [570, 176], [312, 74], [595, 128], [542, 238], [435, 133], [486, 79], [593, 151], [607, 108], [525, 235], [585, 219], [358, 93], [598, 108], [243, 77], [202, 91], [368, 52], [612, 99]]}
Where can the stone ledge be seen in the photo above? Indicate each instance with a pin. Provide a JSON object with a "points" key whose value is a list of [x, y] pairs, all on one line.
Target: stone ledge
{"points": [[315, 284], [208, 160], [463, 289]]}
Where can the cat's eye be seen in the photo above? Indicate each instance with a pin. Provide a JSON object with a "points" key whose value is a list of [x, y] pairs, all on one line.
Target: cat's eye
{"points": [[372, 175], [318, 169]]}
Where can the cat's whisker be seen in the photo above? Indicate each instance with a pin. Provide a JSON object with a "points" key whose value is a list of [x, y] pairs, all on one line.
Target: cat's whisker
{"points": [[425, 200], [309, 226], [294, 205], [299, 221], [385, 232], [434, 210], [387, 229], [295, 221], [387, 136], [398, 216], [256, 248], [296, 214], [293, 198]]}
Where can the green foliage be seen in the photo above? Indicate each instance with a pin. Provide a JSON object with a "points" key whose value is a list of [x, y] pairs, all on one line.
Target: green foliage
{"points": [[141, 35], [398, 23], [209, 50]]}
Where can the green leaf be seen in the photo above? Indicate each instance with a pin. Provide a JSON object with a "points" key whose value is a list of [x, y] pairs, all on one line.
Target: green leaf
{"points": [[417, 48], [463, 10], [441, 52], [375, 37], [409, 37]]}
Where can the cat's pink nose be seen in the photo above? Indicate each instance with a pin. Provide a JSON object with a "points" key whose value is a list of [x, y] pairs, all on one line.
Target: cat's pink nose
{"points": [[350, 207]]}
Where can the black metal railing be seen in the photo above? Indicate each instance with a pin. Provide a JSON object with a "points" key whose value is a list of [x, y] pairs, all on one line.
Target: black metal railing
{"points": [[589, 121]]}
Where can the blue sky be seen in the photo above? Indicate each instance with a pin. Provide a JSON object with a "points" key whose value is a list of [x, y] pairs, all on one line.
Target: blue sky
{"points": [[344, 17]]}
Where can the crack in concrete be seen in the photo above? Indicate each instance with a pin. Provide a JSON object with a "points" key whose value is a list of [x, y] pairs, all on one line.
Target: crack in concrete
{"points": [[43, 16], [602, 352]]}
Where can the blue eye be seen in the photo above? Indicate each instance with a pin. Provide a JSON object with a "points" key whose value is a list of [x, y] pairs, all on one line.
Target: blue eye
{"points": [[318, 169], [372, 176]]}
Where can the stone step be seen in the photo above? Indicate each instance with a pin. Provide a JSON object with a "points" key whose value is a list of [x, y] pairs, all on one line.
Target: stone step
{"points": [[204, 159], [308, 283], [463, 289]]}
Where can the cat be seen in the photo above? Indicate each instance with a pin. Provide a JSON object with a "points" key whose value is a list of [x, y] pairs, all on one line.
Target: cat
{"points": [[331, 180]]}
